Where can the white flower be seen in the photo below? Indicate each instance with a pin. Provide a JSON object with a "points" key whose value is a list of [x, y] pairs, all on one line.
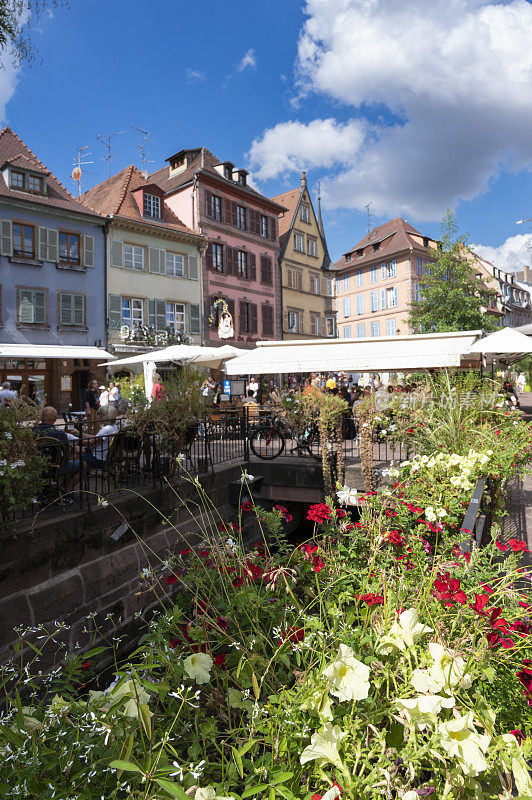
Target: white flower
{"points": [[461, 740], [347, 496], [102, 502], [334, 792], [135, 694], [198, 667], [208, 793], [422, 710], [446, 672], [320, 703], [442, 512], [429, 514], [8, 435], [181, 459], [323, 746], [403, 634], [246, 477], [348, 678], [410, 795]]}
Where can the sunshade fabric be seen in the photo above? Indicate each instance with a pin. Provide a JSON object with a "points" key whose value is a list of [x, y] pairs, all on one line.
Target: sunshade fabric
{"points": [[180, 353], [507, 341], [52, 351]]}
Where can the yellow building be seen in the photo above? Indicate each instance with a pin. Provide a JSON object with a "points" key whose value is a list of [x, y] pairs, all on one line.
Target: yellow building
{"points": [[154, 287], [307, 275]]}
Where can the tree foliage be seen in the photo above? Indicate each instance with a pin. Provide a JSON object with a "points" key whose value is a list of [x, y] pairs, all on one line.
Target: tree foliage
{"points": [[452, 296], [16, 16]]}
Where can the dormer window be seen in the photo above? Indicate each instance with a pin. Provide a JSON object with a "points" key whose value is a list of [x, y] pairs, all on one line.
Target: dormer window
{"points": [[242, 178], [152, 206], [17, 180], [228, 172], [376, 246], [34, 183], [348, 256], [360, 252], [425, 241]]}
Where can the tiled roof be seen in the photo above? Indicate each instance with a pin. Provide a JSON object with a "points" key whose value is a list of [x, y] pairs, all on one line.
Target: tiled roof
{"points": [[115, 196], [205, 161], [393, 236], [289, 200], [14, 151]]}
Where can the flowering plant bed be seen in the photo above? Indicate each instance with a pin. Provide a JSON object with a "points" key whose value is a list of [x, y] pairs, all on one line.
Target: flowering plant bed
{"points": [[373, 660]]}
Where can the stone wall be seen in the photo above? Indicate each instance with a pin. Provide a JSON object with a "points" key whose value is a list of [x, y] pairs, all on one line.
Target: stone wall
{"points": [[67, 568]]}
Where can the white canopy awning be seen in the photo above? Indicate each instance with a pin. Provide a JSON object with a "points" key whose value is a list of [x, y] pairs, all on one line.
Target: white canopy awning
{"points": [[507, 341], [379, 354], [181, 354], [52, 351]]}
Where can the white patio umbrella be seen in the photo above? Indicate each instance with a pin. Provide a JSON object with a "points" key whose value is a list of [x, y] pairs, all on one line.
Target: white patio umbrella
{"points": [[181, 354], [217, 356], [507, 341]]}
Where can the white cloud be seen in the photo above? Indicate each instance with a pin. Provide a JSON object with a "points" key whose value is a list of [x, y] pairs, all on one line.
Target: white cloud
{"points": [[293, 146], [194, 75], [248, 60], [511, 255], [9, 77], [451, 80]]}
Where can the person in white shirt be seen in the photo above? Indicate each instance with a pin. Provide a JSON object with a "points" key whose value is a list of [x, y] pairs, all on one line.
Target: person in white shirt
{"points": [[104, 397], [253, 386], [6, 394], [100, 443], [521, 382]]}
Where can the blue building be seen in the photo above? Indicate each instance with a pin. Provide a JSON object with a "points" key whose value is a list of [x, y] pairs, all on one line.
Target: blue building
{"points": [[52, 281]]}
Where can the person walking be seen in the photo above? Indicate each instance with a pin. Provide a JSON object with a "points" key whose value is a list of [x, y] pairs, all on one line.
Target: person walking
{"points": [[521, 382], [92, 403], [104, 396]]}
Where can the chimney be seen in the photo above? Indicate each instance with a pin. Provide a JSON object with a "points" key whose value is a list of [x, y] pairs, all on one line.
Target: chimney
{"points": [[303, 180]]}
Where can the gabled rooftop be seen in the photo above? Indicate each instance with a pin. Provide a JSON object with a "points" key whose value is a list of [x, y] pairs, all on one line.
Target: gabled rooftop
{"points": [[14, 153], [114, 196], [393, 236]]}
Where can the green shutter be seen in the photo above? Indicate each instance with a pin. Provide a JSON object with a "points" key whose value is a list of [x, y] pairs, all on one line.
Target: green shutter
{"points": [[6, 237], [115, 312], [116, 253], [194, 318], [79, 309], [88, 251], [53, 245], [43, 244], [39, 307], [193, 273]]}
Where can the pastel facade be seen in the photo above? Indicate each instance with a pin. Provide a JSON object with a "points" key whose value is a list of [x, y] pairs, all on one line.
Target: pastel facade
{"points": [[154, 287], [52, 276], [307, 275], [240, 263]]}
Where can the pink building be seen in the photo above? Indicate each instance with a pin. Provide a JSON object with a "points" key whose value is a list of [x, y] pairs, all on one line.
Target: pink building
{"points": [[379, 278], [240, 265]]}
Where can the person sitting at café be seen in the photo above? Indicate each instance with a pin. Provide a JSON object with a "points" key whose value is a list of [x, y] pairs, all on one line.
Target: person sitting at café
{"points": [[251, 404], [157, 391], [7, 395], [98, 445], [47, 428]]}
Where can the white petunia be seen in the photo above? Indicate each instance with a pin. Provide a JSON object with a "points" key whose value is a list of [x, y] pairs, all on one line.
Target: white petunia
{"points": [[324, 745], [320, 703], [198, 667], [461, 740], [421, 711], [430, 514], [347, 496], [403, 634], [348, 678]]}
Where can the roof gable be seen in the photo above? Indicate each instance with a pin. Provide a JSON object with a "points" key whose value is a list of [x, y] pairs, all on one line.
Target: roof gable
{"points": [[381, 242]]}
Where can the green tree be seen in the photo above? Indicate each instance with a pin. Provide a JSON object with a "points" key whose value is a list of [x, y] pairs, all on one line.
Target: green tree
{"points": [[452, 297], [16, 17]]}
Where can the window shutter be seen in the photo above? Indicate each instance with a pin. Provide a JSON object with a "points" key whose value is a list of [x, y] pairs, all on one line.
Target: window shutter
{"points": [[43, 244], [152, 313], [272, 228], [227, 204], [208, 257], [193, 268], [234, 216], [252, 266], [241, 316], [79, 309], [115, 311], [6, 238], [383, 298], [383, 272], [116, 253], [39, 308], [232, 311], [208, 203], [266, 270], [88, 251], [228, 260], [395, 296], [267, 319], [53, 245], [299, 280], [156, 260], [253, 321], [194, 319], [65, 309], [160, 313]]}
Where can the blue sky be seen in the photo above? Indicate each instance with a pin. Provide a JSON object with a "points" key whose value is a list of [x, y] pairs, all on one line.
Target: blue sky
{"points": [[413, 106]]}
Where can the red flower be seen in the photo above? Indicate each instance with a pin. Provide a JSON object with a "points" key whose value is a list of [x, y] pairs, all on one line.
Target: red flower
{"points": [[448, 590], [319, 513], [389, 513], [222, 622], [494, 640], [246, 506], [317, 564], [414, 509], [518, 546], [174, 642], [308, 549], [287, 517], [525, 677], [371, 599], [293, 634], [502, 547], [219, 660], [520, 627], [487, 588], [340, 513], [495, 622], [204, 553], [480, 601], [395, 538], [85, 667], [170, 579], [254, 572], [519, 735], [236, 582], [185, 552]]}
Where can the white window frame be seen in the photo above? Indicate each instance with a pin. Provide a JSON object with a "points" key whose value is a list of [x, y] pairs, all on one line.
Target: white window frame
{"points": [[330, 327], [314, 323], [171, 261], [152, 206], [361, 330], [330, 287], [312, 246], [175, 318], [360, 303], [347, 307], [293, 321], [375, 300], [375, 328], [134, 257], [392, 297], [136, 312], [337, 284], [390, 327], [304, 213], [243, 264], [374, 274], [359, 278], [32, 300], [391, 269], [241, 220], [345, 283], [417, 293], [299, 242], [346, 332]]}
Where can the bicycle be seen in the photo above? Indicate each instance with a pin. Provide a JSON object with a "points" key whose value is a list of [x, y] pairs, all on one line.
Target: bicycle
{"points": [[269, 437]]}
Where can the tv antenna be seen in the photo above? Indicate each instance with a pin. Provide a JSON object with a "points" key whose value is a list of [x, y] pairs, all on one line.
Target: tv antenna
{"points": [[79, 162], [106, 139], [144, 139], [371, 217]]}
